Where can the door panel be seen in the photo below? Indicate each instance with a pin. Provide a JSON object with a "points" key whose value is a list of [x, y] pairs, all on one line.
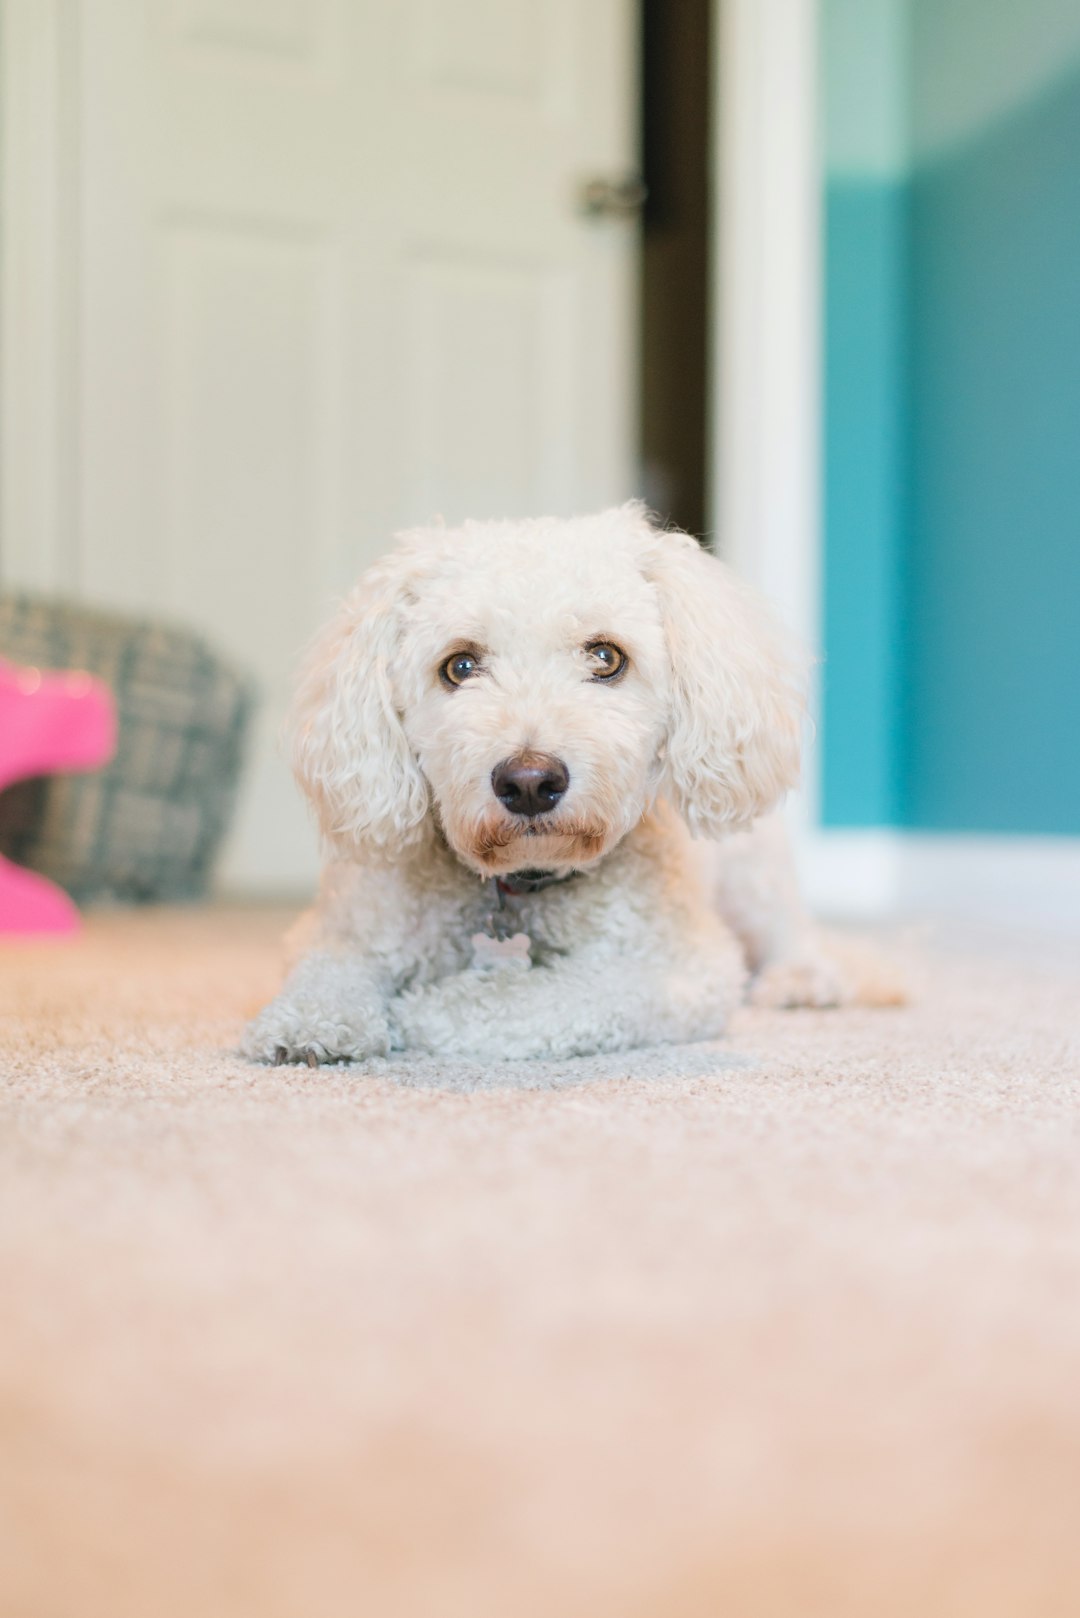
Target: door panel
{"points": [[490, 380]]}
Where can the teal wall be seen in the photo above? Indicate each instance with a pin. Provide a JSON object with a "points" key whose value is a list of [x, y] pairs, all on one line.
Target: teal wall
{"points": [[952, 411], [865, 66], [866, 396]]}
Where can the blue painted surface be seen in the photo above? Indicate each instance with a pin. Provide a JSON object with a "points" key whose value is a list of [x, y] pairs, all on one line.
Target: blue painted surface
{"points": [[952, 472], [992, 662], [866, 389]]}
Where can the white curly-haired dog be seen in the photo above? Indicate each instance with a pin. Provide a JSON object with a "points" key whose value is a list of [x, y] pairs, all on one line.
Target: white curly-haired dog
{"points": [[514, 734]]}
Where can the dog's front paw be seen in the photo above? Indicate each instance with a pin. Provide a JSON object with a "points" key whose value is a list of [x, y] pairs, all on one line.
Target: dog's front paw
{"points": [[810, 980], [289, 1031], [830, 969]]}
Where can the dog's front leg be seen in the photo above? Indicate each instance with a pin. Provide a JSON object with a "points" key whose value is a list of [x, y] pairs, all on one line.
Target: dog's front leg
{"points": [[572, 1006], [793, 961], [332, 1008]]}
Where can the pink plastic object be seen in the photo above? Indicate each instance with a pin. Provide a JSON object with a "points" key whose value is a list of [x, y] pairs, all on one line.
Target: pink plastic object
{"points": [[49, 723]]}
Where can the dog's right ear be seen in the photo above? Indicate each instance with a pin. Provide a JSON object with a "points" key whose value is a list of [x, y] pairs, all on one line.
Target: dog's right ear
{"points": [[349, 749]]}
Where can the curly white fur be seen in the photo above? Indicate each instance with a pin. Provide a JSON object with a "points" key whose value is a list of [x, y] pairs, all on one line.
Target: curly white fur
{"points": [[651, 938]]}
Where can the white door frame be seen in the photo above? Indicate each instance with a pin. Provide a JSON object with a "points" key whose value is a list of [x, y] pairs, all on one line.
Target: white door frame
{"points": [[765, 350], [38, 283]]}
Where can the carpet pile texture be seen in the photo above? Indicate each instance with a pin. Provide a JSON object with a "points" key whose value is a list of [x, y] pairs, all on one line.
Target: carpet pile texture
{"points": [[787, 1324]]}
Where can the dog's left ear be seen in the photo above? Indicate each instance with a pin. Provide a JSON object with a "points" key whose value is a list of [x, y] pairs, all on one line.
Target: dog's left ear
{"points": [[738, 691]]}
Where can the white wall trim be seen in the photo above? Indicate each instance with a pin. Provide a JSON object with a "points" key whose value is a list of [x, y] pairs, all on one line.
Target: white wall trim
{"points": [[1026, 882], [766, 340], [850, 873]]}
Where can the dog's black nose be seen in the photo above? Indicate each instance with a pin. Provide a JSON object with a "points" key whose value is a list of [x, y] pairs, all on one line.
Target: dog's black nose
{"points": [[530, 783]]}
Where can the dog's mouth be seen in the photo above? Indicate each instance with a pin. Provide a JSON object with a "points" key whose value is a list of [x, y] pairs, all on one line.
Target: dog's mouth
{"points": [[501, 846]]}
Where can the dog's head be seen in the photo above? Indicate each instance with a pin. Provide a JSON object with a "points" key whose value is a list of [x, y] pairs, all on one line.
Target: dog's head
{"points": [[533, 685]]}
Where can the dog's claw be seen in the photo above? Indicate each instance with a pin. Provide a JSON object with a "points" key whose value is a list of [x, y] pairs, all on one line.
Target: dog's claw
{"points": [[282, 1056]]}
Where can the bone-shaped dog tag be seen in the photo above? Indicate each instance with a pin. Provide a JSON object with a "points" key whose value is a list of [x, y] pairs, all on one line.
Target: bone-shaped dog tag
{"points": [[501, 954]]}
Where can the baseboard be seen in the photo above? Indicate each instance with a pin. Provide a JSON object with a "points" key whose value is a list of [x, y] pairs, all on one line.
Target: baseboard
{"points": [[849, 873], [1026, 881]]}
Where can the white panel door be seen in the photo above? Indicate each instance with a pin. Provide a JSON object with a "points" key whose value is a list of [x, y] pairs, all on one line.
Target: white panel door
{"points": [[305, 271]]}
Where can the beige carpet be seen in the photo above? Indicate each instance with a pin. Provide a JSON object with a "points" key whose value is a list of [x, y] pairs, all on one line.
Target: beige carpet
{"points": [[788, 1325]]}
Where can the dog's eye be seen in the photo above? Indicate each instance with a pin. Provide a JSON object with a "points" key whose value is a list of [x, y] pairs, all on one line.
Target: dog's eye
{"points": [[459, 667], [605, 659]]}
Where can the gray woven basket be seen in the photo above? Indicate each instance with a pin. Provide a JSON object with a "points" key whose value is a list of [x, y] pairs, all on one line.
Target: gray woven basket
{"points": [[148, 826]]}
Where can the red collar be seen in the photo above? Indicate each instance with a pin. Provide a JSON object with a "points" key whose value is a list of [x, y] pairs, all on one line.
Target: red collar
{"points": [[519, 884]]}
